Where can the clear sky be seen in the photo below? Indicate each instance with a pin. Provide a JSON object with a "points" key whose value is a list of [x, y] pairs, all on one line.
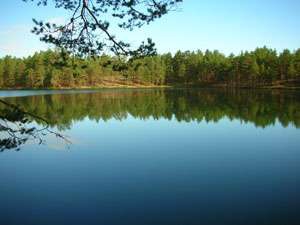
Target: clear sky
{"points": [[229, 26]]}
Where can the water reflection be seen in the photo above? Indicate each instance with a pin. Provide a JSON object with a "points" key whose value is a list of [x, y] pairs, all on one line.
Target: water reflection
{"points": [[144, 171], [262, 108]]}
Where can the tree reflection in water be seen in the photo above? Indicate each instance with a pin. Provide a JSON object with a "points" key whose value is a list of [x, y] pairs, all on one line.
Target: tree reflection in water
{"points": [[16, 127], [260, 107]]}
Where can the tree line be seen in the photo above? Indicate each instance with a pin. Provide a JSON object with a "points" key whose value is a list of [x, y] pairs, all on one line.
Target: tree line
{"points": [[259, 107], [51, 69]]}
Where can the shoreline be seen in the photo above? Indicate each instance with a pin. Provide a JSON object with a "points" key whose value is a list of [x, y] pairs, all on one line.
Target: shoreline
{"points": [[220, 86]]}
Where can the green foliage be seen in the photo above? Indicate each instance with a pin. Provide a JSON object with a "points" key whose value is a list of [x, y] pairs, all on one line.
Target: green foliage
{"points": [[291, 71], [16, 128], [9, 71], [66, 77], [260, 107], [88, 33], [1, 72], [20, 73], [297, 62], [55, 78], [262, 67]]}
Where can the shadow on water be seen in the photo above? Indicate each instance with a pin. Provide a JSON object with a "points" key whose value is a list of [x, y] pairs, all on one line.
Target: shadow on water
{"points": [[17, 128]]}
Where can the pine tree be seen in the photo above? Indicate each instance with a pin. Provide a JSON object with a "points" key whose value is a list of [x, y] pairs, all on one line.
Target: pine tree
{"points": [[292, 72], [20, 74], [55, 78], [1, 73], [66, 78], [30, 78], [9, 72]]}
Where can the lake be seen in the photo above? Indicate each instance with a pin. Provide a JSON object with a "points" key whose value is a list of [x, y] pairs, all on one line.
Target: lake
{"points": [[156, 157]]}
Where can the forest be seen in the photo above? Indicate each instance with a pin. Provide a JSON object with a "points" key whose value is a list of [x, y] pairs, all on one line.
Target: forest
{"points": [[263, 67]]}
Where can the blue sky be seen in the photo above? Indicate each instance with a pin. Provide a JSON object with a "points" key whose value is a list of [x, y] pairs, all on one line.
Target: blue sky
{"points": [[229, 26]]}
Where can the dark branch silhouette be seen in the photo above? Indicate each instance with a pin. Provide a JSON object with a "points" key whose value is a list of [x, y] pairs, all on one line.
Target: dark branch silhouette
{"points": [[86, 33], [16, 130]]}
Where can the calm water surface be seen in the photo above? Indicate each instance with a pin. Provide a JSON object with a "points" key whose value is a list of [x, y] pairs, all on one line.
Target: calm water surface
{"points": [[157, 157]]}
